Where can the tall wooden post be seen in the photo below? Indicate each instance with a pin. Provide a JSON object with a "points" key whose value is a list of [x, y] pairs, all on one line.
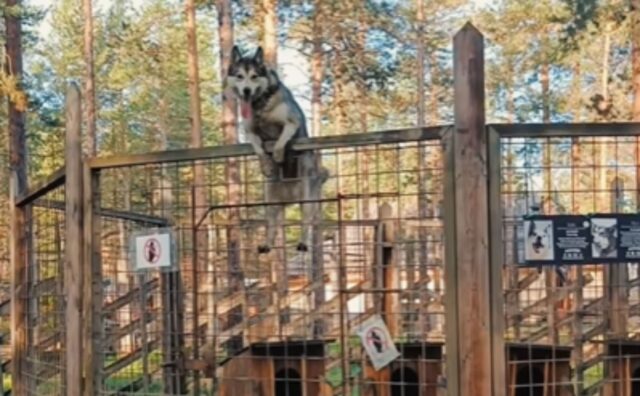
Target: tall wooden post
{"points": [[73, 269], [93, 289], [475, 359]]}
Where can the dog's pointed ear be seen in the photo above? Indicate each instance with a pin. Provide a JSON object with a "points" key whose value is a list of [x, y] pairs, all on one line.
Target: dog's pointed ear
{"points": [[235, 54], [259, 56]]}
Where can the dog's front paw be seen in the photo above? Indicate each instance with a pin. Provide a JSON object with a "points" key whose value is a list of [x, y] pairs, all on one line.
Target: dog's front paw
{"points": [[278, 154], [267, 165]]}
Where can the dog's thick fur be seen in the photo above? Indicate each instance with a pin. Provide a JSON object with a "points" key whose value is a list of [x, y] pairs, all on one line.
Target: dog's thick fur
{"points": [[271, 114]]}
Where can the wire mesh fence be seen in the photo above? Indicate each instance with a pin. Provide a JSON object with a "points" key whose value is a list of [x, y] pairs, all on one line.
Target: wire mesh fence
{"points": [[44, 321], [237, 320], [571, 328]]}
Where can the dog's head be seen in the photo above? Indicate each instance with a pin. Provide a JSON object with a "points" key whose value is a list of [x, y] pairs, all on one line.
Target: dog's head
{"points": [[538, 236], [604, 237], [249, 77]]}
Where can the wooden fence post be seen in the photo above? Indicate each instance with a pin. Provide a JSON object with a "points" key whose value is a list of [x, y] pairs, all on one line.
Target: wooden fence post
{"points": [[474, 364], [73, 268], [94, 348]]}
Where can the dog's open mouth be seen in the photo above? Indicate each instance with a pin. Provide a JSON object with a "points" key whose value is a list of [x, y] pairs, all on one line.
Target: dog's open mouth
{"points": [[245, 109]]}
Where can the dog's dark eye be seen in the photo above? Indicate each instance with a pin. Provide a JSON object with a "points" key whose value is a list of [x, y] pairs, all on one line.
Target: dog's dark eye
{"points": [[253, 77], [239, 76]]}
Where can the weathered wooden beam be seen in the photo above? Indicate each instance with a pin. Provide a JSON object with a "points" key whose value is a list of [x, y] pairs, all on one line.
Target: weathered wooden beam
{"points": [[110, 213], [478, 368], [93, 286], [128, 359], [131, 296], [73, 268], [55, 180], [315, 143], [541, 130]]}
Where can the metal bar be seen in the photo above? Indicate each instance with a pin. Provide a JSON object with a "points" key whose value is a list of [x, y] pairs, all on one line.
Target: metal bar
{"points": [[539, 130], [55, 180], [315, 143]]}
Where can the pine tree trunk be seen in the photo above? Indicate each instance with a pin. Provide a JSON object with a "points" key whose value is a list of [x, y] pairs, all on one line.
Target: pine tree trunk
{"points": [[270, 37], [317, 70], [17, 186], [193, 75], [199, 187], [90, 95], [544, 82], [635, 35], [420, 60], [229, 130]]}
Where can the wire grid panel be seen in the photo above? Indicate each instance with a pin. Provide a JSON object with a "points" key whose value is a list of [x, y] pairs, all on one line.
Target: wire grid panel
{"points": [[569, 329], [242, 322], [45, 363]]}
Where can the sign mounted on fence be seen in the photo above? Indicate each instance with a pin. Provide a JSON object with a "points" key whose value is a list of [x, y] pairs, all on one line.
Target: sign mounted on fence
{"points": [[153, 249], [569, 239], [377, 342]]}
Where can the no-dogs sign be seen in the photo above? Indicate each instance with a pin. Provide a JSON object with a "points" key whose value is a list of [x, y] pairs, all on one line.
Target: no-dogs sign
{"points": [[377, 342], [153, 249]]}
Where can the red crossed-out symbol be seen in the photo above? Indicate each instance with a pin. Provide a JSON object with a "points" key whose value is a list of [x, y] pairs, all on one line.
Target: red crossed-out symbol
{"points": [[152, 250], [376, 337]]}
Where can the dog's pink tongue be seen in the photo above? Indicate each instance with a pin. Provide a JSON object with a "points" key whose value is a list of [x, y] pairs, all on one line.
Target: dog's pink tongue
{"points": [[245, 109]]}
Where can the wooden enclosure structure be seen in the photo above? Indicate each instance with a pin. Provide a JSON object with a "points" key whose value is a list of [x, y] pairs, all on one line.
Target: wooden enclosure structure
{"points": [[232, 320], [538, 370], [622, 362]]}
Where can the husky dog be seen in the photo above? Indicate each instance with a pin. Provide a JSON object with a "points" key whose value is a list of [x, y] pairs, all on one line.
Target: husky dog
{"points": [[271, 114], [539, 240], [604, 234]]}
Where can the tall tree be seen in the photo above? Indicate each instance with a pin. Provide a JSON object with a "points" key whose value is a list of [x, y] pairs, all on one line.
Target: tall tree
{"points": [[194, 76], [18, 184], [635, 35], [229, 130], [90, 94], [420, 61], [270, 34], [317, 68]]}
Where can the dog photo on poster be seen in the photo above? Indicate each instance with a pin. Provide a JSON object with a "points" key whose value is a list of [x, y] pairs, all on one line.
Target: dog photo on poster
{"points": [[558, 240], [604, 237], [538, 240]]}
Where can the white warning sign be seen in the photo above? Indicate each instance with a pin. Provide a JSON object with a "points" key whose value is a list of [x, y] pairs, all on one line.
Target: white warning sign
{"points": [[377, 342], [153, 250]]}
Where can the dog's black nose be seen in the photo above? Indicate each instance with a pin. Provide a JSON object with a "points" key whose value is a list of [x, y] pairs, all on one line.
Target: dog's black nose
{"points": [[246, 92]]}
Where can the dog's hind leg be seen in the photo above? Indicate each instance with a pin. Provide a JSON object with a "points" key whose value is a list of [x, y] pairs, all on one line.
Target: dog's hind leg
{"points": [[274, 215]]}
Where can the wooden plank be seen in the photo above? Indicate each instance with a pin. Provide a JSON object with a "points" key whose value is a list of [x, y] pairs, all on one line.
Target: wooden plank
{"points": [[316, 143], [53, 181], [496, 262], [128, 359], [130, 296], [451, 269], [93, 290], [472, 218], [584, 129], [110, 213], [73, 268]]}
